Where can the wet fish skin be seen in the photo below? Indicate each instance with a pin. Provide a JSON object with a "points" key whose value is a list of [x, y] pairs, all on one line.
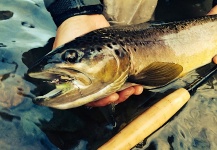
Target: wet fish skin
{"points": [[101, 62]]}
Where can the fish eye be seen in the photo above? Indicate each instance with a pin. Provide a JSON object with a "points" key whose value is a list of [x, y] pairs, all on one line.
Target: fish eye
{"points": [[70, 56]]}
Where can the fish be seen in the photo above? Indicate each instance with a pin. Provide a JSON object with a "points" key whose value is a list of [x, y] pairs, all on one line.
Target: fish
{"points": [[110, 59]]}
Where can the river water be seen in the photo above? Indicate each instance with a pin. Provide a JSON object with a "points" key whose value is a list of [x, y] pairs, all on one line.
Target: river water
{"points": [[26, 34]]}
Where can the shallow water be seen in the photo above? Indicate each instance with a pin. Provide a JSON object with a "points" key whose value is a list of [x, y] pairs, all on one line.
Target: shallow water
{"points": [[26, 35]]}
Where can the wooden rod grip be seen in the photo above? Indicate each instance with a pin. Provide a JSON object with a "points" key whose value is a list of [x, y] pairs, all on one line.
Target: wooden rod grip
{"points": [[148, 122]]}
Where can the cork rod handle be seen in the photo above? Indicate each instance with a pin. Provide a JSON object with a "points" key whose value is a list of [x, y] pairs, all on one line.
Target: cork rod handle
{"points": [[148, 122]]}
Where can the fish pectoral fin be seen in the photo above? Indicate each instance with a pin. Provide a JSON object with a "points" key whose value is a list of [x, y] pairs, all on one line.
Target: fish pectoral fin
{"points": [[157, 74]]}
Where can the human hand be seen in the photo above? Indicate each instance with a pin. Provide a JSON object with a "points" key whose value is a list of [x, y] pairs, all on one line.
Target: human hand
{"points": [[213, 11], [79, 25]]}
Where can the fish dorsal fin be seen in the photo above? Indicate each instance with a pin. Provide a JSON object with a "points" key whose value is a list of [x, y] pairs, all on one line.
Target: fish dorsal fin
{"points": [[157, 74]]}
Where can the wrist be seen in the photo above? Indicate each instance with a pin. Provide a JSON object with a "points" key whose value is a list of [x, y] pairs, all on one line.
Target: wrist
{"points": [[61, 10]]}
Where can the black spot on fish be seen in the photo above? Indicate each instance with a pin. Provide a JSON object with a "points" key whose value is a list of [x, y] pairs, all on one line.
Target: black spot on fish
{"points": [[99, 48], [120, 38], [112, 34], [122, 43], [117, 52], [95, 37], [2, 45], [26, 24], [110, 46], [114, 43], [124, 49], [13, 41], [132, 36], [4, 15], [127, 40], [92, 49], [134, 49]]}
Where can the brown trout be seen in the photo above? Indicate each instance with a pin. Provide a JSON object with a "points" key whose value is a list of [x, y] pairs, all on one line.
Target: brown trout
{"points": [[103, 61]]}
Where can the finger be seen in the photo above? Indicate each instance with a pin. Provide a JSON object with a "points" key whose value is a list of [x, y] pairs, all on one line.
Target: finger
{"points": [[125, 94], [213, 11], [105, 101], [215, 59], [138, 90]]}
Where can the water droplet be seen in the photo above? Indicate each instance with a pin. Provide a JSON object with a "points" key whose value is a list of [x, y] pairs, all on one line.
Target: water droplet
{"points": [[26, 24]]}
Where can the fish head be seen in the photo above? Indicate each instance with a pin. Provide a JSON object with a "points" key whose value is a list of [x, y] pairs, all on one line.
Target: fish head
{"points": [[82, 71]]}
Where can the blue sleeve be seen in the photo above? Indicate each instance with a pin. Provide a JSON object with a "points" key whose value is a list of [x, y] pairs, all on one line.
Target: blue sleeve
{"points": [[214, 3], [63, 9], [48, 2]]}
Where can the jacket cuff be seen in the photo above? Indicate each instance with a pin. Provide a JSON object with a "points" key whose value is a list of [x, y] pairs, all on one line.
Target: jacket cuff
{"points": [[63, 9], [214, 2]]}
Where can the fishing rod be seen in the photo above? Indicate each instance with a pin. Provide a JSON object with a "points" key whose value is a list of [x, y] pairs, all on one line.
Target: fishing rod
{"points": [[154, 117]]}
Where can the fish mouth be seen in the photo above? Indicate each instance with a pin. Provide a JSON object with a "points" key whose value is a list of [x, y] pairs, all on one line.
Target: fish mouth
{"points": [[65, 80]]}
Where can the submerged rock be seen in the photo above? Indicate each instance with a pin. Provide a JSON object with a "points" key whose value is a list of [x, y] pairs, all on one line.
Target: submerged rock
{"points": [[19, 117], [4, 15]]}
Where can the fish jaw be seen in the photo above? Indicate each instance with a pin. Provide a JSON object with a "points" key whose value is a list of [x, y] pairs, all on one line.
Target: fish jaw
{"points": [[66, 81], [62, 101], [71, 92]]}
